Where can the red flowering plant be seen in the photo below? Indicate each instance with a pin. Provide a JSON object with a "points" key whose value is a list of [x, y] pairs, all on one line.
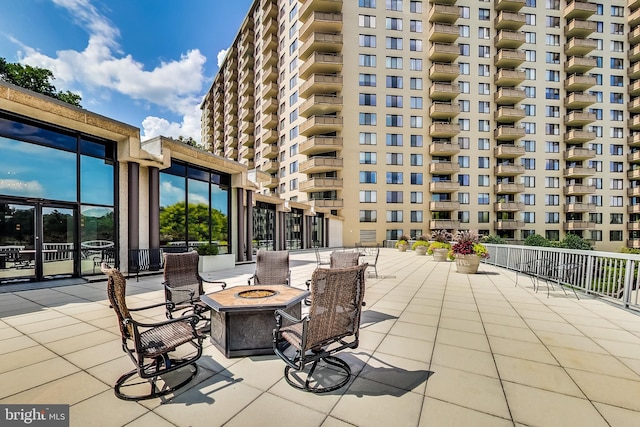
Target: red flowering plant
{"points": [[467, 242]]}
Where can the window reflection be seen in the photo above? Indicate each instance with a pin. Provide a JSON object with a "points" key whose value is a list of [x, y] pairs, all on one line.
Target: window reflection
{"points": [[31, 170], [96, 181], [264, 225], [172, 210], [293, 229]]}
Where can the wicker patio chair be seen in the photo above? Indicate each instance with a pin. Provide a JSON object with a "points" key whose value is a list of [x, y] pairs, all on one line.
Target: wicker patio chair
{"points": [[342, 259], [332, 325], [272, 268], [149, 346], [319, 261], [183, 285]]}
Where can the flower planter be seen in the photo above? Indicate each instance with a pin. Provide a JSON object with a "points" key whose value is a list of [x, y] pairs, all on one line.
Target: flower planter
{"points": [[208, 263], [467, 264], [440, 254], [403, 248], [421, 250]]}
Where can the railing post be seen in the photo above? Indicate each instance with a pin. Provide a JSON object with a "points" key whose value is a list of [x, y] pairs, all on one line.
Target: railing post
{"points": [[628, 280], [589, 276]]}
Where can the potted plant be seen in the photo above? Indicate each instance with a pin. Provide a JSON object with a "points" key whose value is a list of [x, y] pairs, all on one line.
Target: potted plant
{"points": [[421, 245], [403, 243], [440, 246], [211, 260], [467, 251]]}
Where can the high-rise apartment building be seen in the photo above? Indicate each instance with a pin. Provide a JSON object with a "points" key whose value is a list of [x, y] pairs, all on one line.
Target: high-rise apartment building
{"points": [[512, 117]]}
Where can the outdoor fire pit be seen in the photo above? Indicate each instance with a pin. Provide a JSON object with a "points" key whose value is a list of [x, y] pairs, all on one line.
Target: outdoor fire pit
{"points": [[242, 317]]}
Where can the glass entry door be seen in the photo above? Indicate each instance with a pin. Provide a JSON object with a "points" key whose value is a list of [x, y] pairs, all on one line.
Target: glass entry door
{"points": [[37, 242]]}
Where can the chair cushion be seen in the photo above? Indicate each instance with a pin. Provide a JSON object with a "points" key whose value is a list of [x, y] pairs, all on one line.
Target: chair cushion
{"points": [[164, 338]]}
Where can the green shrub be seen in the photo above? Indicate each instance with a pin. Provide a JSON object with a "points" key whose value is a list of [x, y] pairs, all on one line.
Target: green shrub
{"points": [[496, 240], [208, 249], [536, 240]]}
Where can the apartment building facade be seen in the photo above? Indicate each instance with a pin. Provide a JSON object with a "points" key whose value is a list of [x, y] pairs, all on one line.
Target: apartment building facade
{"points": [[512, 117]]}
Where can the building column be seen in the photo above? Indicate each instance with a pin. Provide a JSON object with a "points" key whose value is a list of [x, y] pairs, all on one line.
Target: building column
{"points": [[240, 220], [249, 225], [154, 219], [133, 208]]}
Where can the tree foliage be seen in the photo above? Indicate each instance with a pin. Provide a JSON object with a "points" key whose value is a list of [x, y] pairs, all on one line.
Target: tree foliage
{"points": [[570, 241], [536, 240], [172, 225], [36, 79]]}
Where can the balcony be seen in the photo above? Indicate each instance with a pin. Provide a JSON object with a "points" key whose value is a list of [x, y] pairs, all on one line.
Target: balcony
{"points": [[320, 144], [579, 118], [633, 173], [509, 169], [321, 22], [634, 18], [231, 153], [271, 183], [577, 100], [579, 154], [633, 243], [579, 9], [270, 136], [580, 208], [508, 151], [634, 53], [633, 226], [579, 47], [633, 191], [578, 172], [634, 123], [506, 39], [326, 203], [443, 13], [270, 42], [246, 139], [579, 83], [508, 206], [633, 106], [633, 72], [508, 114], [320, 104], [444, 168], [270, 90], [321, 63], [634, 88], [440, 111], [443, 33], [444, 130], [633, 209], [269, 105], [509, 96], [633, 140], [634, 36], [314, 6], [443, 149], [269, 59], [246, 88], [505, 77], [509, 58], [315, 125], [511, 5], [270, 166], [269, 121], [443, 52], [509, 21], [270, 9], [443, 224], [247, 101], [247, 127], [578, 225], [320, 165], [579, 64], [579, 28], [443, 91], [247, 153], [269, 74], [321, 83], [321, 184], [633, 157], [270, 152], [444, 187], [508, 133], [508, 188], [579, 136], [444, 206], [579, 190], [444, 72], [321, 42], [508, 224]]}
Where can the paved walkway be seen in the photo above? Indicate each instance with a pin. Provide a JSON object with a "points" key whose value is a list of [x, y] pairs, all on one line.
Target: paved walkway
{"points": [[438, 348]]}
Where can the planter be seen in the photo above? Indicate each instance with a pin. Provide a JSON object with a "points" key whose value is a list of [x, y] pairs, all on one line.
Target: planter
{"points": [[467, 264], [440, 254], [421, 250], [403, 248], [216, 262]]}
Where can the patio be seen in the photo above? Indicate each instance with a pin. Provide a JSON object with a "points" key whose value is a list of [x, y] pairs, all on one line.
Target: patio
{"points": [[438, 348]]}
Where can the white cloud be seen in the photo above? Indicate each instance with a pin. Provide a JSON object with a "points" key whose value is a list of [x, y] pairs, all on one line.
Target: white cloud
{"points": [[175, 85], [221, 55]]}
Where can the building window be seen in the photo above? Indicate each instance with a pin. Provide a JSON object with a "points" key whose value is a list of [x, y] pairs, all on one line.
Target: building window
{"points": [[368, 196], [368, 216], [394, 177], [368, 138], [367, 177]]}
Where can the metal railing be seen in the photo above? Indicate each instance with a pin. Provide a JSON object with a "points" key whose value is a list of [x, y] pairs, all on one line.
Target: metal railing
{"points": [[611, 275]]}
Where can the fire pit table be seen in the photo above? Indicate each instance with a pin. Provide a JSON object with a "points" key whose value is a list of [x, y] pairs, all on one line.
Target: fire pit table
{"points": [[242, 317]]}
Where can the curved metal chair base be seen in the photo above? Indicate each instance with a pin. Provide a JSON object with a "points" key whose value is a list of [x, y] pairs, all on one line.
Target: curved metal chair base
{"points": [[154, 392], [338, 368]]}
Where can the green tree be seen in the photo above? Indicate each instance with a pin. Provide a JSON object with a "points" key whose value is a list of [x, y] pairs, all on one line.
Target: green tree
{"points": [[188, 140], [172, 223], [573, 241], [536, 240], [36, 79]]}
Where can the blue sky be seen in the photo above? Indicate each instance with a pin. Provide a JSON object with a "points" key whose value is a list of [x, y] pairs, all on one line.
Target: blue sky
{"points": [[143, 62]]}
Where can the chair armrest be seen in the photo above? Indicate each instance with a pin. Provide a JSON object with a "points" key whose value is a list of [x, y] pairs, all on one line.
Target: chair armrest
{"points": [[216, 282], [281, 314], [178, 290], [250, 281], [191, 318], [146, 307]]}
